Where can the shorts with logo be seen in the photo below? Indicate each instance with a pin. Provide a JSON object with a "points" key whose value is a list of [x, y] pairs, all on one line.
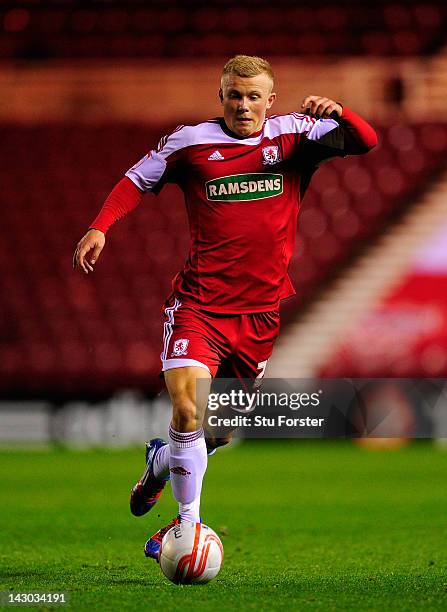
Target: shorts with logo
{"points": [[228, 346]]}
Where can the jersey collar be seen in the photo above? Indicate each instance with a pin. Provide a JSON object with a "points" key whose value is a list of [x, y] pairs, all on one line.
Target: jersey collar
{"points": [[228, 132]]}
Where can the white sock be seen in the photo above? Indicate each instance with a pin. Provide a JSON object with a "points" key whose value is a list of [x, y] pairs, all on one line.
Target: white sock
{"points": [[161, 462], [187, 464]]}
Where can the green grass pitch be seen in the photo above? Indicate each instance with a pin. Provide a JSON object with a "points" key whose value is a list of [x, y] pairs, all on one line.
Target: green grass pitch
{"points": [[305, 525]]}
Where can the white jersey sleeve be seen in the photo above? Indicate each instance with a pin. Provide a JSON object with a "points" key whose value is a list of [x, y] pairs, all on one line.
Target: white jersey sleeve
{"points": [[149, 171], [323, 139], [326, 132]]}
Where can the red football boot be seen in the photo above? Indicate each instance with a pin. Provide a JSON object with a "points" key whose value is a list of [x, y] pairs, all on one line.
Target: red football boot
{"points": [[152, 546], [148, 489]]}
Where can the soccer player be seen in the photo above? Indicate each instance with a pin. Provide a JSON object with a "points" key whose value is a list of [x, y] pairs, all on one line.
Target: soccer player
{"points": [[243, 176]]}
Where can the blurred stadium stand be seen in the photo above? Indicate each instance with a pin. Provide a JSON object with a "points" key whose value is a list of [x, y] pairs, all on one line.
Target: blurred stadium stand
{"points": [[385, 314], [135, 29], [88, 87]]}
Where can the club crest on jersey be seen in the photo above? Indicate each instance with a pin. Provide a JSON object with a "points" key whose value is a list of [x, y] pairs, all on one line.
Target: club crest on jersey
{"points": [[271, 155], [179, 347]]}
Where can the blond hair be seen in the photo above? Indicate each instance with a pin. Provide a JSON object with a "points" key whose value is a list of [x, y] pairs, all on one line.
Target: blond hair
{"points": [[246, 66]]}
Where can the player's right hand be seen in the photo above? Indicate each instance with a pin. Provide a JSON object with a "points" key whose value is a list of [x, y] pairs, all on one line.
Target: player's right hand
{"points": [[88, 250]]}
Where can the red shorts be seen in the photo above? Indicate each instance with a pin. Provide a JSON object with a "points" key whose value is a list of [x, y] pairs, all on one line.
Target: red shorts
{"points": [[228, 346]]}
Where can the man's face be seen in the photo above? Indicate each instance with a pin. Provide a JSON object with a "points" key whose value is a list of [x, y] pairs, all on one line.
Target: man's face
{"points": [[245, 101]]}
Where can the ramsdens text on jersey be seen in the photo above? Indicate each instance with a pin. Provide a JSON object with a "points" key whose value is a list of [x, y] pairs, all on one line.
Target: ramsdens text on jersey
{"points": [[242, 187]]}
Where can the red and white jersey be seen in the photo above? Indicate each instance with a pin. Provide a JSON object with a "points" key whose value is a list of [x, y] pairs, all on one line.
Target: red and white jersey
{"points": [[242, 197]]}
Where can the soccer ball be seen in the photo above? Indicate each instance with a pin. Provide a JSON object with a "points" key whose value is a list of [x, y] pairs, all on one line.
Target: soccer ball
{"points": [[191, 553]]}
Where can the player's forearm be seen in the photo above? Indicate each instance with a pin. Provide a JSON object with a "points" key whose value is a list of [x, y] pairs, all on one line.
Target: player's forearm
{"points": [[360, 137], [123, 198]]}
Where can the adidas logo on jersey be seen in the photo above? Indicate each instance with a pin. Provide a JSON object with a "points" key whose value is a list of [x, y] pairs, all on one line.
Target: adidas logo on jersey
{"points": [[216, 156]]}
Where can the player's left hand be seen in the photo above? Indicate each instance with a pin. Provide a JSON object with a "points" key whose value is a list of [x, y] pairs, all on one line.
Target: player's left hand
{"points": [[320, 107]]}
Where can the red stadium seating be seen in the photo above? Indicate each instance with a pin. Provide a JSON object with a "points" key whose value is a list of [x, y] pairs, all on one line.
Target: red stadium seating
{"points": [[64, 333], [45, 29]]}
